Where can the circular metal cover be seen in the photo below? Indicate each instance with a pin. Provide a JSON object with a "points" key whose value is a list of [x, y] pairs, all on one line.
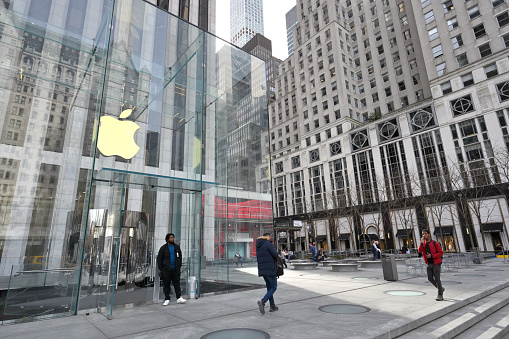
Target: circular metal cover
{"points": [[235, 333], [405, 293], [310, 275], [470, 275], [362, 278], [344, 309]]}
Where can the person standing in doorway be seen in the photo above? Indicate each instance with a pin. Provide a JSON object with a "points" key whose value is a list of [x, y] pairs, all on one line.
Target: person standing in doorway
{"points": [[432, 254], [266, 256], [169, 262]]}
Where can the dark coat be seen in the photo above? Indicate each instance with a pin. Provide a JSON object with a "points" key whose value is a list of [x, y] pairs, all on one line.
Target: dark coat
{"points": [[266, 255], [163, 257]]}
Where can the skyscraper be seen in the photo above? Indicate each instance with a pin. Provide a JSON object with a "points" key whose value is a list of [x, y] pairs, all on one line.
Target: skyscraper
{"points": [[246, 19], [291, 21]]}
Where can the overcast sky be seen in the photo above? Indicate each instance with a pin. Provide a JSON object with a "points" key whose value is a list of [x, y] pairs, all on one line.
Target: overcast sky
{"points": [[274, 23]]}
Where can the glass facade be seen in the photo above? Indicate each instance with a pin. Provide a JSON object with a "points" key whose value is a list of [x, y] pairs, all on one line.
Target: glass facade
{"points": [[120, 123]]}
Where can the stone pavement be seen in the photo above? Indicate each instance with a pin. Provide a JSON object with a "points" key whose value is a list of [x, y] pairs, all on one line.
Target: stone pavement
{"points": [[390, 309]]}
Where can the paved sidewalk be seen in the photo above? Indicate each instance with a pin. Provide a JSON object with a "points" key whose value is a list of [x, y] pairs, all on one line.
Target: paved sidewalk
{"points": [[299, 296]]}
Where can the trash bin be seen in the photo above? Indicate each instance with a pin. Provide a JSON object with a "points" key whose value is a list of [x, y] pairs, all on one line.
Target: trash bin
{"points": [[192, 287], [302, 255], [389, 267]]}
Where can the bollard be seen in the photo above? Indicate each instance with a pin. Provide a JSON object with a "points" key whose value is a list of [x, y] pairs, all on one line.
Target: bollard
{"points": [[192, 287]]}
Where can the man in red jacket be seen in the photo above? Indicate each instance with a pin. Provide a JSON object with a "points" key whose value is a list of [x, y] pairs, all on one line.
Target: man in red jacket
{"points": [[432, 254]]}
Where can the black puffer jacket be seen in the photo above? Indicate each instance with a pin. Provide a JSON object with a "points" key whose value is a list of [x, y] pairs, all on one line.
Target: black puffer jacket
{"points": [[265, 256], [163, 257]]}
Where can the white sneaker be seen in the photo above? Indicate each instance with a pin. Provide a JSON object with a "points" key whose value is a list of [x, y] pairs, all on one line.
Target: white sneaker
{"points": [[166, 303], [181, 300]]}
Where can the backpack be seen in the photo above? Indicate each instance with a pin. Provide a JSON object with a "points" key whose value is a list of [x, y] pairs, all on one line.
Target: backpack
{"points": [[279, 267]]}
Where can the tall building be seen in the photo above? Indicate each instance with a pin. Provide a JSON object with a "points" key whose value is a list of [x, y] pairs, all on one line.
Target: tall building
{"points": [[246, 19], [391, 118], [114, 133], [261, 47], [291, 22]]}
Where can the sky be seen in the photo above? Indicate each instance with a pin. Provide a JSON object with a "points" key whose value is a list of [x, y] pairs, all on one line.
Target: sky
{"points": [[274, 23]]}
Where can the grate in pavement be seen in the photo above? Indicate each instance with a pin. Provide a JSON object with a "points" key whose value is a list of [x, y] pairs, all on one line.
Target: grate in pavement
{"points": [[405, 293], [235, 333], [344, 309]]}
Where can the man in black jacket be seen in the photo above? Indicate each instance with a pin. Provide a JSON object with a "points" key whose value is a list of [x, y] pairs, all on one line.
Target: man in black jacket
{"points": [[265, 256], [169, 261]]}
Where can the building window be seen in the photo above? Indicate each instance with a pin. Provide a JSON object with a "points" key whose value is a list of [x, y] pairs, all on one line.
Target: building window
{"points": [[335, 148], [425, 3], [314, 155], [446, 87], [491, 70], [473, 12], [279, 167], [441, 69], [406, 35], [429, 17], [497, 3], [388, 130], [462, 59], [433, 34], [295, 161], [503, 19], [422, 119], [318, 138], [401, 86], [467, 79], [485, 50], [359, 140], [448, 6], [403, 21], [479, 31], [452, 23], [506, 40], [437, 51], [457, 41], [503, 91], [462, 105], [419, 95]]}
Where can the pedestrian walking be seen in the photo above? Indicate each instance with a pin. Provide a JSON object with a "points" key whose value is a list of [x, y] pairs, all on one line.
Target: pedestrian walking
{"points": [[266, 256], [432, 254], [169, 262]]}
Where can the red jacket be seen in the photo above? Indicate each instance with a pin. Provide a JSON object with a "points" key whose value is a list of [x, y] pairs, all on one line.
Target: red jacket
{"points": [[435, 249]]}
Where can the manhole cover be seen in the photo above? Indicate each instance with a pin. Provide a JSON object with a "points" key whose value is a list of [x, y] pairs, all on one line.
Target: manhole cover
{"points": [[310, 275], [469, 275], [360, 278], [405, 293], [344, 309], [445, 282], [235, 333]]}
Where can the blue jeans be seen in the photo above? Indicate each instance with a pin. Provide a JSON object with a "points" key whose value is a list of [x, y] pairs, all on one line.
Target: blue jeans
{"points": [[271, 283]]}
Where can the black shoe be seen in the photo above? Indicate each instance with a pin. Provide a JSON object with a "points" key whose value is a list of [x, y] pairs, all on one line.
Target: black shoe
{"points": [[261, 306], [273, 308], [443, 289]]}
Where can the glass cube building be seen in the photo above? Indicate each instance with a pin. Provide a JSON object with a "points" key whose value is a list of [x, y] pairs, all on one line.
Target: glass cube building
{"points": [[120, 123]]}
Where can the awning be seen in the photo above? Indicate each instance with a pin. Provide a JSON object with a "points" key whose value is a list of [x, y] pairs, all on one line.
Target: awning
{"points": [[446, 230], [321, 237], [492, 227], [344, 236], [404, 233], [368, 237]]}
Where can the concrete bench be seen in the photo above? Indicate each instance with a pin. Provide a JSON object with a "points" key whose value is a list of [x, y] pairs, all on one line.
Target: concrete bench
{"points": [[327, 263], [344, 267], [304, 266], [371, 264]]}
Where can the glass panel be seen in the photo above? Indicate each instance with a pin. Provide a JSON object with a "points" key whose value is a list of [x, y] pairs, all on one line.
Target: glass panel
{"points": [[124, 123]]}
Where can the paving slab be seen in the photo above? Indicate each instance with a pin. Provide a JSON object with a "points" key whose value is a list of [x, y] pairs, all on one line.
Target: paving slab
{"points": [[299, 296]]}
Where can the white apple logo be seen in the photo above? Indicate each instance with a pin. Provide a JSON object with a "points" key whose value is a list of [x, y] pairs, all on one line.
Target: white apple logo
{"points": [[117, 137]]}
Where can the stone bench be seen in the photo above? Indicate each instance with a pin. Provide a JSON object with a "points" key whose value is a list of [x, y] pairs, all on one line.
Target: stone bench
{"points": [[304, 266], [344, 267], [371, 264], [327, 263], [300, 261]]}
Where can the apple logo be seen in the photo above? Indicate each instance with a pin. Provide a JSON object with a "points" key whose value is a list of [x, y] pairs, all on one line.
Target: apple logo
{"points": [[117, 137]]}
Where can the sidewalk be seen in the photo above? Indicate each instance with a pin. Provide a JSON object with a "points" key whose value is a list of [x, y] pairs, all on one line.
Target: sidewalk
{"points": [[299, 296]]}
